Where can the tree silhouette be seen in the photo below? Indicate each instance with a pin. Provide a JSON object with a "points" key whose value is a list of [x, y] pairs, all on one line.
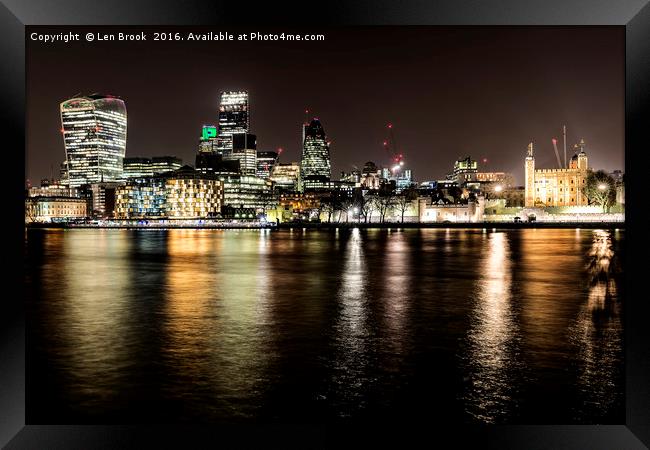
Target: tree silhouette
{"points": [[404, 200], [600, 189]]}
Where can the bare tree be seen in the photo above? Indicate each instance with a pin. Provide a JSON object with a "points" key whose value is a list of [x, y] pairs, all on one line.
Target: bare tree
{"points": [[385, 201], [405, 199], [346, 205], [366, 205], [328, 208]]}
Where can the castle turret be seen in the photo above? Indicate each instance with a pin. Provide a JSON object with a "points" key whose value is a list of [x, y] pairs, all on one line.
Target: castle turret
{"points": [[582, 156], [529, 175]]}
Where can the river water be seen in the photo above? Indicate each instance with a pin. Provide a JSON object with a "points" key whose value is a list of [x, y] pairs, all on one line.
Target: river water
{"points": [[451, 325]]}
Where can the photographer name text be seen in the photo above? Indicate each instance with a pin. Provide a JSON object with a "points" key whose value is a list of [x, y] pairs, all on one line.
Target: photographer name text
{"points": [[171, 36]]}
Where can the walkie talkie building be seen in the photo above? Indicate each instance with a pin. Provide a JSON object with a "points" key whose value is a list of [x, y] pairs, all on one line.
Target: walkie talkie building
{"points": [[94, 134]]}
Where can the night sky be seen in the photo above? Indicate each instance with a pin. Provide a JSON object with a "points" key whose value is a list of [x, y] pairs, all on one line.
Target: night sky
{"points": [[448, 91]]}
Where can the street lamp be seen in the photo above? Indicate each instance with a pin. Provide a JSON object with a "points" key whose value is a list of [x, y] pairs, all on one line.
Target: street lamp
{"points": [[603, 187], [498, 188]]}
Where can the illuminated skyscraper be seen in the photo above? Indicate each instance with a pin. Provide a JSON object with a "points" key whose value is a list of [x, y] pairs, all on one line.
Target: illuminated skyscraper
{"points": [[94, 134], [244, 150], [315, 169], [265, 162], [286, 176], [208, 140], [233, 119]]}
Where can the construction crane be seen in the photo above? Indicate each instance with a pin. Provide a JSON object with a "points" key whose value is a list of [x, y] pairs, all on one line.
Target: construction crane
{"points": [[396, 158], [557, 154]]}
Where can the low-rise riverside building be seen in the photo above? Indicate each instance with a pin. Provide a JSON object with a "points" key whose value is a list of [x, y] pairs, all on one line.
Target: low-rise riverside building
{"points": [[54, 209], [181, 194], [141, 198], [432, 211], [51, 188]]}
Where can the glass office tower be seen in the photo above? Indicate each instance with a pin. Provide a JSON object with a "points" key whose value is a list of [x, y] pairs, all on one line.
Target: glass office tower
{"points": [[315, 166], [94, 134], [233, 119]]}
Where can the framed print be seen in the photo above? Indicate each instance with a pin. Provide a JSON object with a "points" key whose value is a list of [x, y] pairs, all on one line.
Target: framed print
{"points": [[372, 223]]}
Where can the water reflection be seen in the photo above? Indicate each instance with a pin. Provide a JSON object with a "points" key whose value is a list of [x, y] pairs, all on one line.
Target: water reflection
{"points": [[350, 329], [397, 283], [93, 328], [492, 337], [210, 325], [216, 319], [597, 333]]}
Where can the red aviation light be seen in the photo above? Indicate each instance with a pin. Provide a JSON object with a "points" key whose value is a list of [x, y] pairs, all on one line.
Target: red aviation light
{"points": [[62, 130], [390, 125], [279, 150]]}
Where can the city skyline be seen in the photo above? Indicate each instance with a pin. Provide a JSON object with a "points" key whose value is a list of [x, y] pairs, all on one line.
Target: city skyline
{"points": [[429, 136]]}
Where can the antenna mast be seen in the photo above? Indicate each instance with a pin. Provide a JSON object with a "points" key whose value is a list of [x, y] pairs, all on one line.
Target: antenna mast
{"points": [[564, 136]]}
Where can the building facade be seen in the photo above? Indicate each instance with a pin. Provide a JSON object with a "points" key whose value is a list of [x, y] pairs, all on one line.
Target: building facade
{"points": [[286, 176], [233, 119], [556, 187], [208, 139], [141, 198], [51, 188], [137, 167], [192, 197], [246, 192], [315, 168], [244, 151], [100, 198], [266, 160], [503, 178], [430, 211], [182, 194], [52, 209], [464, 170], [94, 134]]}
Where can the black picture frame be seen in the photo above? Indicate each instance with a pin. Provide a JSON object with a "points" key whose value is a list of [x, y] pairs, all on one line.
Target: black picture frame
{"points": [[634, 15]]}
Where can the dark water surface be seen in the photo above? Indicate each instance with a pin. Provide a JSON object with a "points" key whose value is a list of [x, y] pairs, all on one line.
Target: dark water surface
{"points": [[515, 326]]}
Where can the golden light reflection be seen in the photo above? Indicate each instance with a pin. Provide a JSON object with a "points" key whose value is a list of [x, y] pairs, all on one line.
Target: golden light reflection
{"points": [[216, 314], [597, 333], [94, 323], [491, 336]]}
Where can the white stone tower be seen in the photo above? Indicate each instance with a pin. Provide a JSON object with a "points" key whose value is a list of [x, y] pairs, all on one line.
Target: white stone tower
{"points": [[529, 174]]}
